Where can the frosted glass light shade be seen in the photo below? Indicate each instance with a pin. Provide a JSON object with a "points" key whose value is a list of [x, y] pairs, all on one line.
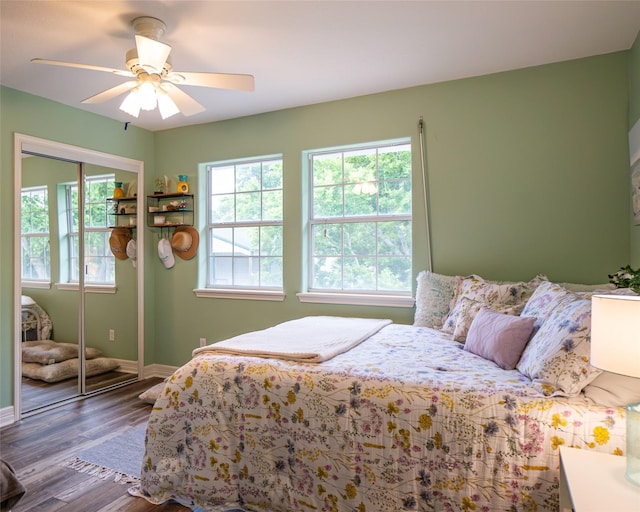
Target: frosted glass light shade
{"points": [[615, 334], [166, 105], [131, 105]]}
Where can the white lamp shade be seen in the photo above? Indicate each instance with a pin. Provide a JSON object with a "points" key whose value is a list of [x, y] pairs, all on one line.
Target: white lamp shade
{"points": [[615, 334]]}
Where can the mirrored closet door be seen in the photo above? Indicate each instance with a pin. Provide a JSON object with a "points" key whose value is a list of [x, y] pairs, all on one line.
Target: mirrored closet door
{"points": [[79, 285]]}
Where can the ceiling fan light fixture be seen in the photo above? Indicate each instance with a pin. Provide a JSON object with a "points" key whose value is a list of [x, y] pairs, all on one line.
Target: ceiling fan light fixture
{"points": [[131, 104], [147, 96], [166, 105]]}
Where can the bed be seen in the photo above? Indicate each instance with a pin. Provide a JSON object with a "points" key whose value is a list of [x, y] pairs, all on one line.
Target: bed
{"points": [[409, 418], [53, 361]]}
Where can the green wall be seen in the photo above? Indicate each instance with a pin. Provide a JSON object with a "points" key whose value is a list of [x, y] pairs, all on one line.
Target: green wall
{"points": [[528, 173], [31, 115]]}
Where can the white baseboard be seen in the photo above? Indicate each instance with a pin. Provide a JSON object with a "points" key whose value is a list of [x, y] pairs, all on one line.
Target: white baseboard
{"points": [[152, 370], [158, 370], [127, 366]]}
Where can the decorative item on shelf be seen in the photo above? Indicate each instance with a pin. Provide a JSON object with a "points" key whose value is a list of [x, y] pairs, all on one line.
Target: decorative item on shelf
{"points": [[118, 191], [173, 206], [182, 186], [158, 186], [615, 347], [185, 242]]}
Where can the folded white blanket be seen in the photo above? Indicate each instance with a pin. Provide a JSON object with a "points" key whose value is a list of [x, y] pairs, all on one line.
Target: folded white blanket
{"points": [[311, 339]]}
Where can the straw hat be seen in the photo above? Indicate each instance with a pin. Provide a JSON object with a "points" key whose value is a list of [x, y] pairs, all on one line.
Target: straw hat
{"points": [[118, 242], [185, 242]]}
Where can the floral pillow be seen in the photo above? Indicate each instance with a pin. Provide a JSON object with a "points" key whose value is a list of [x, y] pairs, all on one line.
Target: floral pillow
{"points": [[433, 298], [556, 358], [546, 297], [464, 312], [491, 294], [476, 288]]}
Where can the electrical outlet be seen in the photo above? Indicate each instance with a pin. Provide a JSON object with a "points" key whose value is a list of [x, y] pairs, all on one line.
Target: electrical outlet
{"points": [[112, 335], [203, 342]]}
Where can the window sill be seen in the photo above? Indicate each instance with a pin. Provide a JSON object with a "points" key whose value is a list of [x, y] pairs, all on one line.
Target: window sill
{"points": [[43, 285], [89, 288], [355, 299], [240, 294]]}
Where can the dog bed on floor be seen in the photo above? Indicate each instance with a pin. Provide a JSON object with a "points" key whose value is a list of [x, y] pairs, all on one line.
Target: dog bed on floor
{"points": [[67, 369]]}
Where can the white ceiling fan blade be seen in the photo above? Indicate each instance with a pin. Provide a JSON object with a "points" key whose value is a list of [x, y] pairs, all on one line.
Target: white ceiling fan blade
{"points": [[187, 105], [152, 54], [120, 72], [111, 93], [217, 80]]}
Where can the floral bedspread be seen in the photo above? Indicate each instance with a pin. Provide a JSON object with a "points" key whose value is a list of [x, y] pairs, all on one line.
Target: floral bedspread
{"points": [[407, 420]]}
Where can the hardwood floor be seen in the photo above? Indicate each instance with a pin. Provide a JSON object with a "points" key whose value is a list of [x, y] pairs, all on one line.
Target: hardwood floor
{"points": [[37, 394], [37, 446]]}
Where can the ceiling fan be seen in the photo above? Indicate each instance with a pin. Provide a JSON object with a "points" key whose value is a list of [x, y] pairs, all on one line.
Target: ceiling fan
{"points": [[155, 81]]}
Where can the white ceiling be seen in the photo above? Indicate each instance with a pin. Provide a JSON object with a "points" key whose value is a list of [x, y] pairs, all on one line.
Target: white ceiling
{"points": [[300, 52]]}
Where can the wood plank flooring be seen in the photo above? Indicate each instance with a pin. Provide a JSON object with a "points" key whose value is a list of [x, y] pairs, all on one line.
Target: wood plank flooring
{"points": [[37, 447], [37, 394]]}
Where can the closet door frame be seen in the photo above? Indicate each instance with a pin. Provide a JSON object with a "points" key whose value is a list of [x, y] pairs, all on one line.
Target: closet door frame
{"points": [[29, 144]]}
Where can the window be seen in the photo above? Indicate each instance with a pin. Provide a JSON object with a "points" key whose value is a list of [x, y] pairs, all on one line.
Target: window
{"points": [[244, 224], [35, 250], [99, 260], [359, 231]]}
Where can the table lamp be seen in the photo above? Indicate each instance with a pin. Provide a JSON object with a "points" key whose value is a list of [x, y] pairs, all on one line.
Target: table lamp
{"points": [[615, 347]]}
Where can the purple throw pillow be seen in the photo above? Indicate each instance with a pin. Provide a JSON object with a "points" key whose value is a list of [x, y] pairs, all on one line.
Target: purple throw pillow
{"points": [[498, 337]]}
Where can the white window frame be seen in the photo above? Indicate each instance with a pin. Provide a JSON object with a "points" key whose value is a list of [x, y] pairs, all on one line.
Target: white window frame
{"points": [[31, 281], [236, 291], [72, 236], [378, 297]]}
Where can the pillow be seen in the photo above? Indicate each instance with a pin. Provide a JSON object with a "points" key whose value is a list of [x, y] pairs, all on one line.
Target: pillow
{"points": [[577, 287], [557, 357], [546, 297], [27, 301], [151, 395], [67, 369], [476, 288], [433, 298], [613, 390], [498, 337], [461, 316], [49, 352]]}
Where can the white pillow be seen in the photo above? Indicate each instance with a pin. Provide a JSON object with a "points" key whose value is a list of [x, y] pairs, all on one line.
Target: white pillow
{"points": [[151, 395], [613, 390]]}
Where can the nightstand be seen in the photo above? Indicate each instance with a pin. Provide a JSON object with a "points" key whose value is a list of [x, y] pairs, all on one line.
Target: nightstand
{"points": [[595, 482]]}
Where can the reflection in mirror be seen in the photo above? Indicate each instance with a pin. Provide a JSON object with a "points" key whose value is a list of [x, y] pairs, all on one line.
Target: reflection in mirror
{"points": [[69, 301]]}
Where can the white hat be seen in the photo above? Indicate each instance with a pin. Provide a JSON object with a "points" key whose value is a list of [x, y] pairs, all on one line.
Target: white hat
{"points": [[132, 251], [165, 253]]}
